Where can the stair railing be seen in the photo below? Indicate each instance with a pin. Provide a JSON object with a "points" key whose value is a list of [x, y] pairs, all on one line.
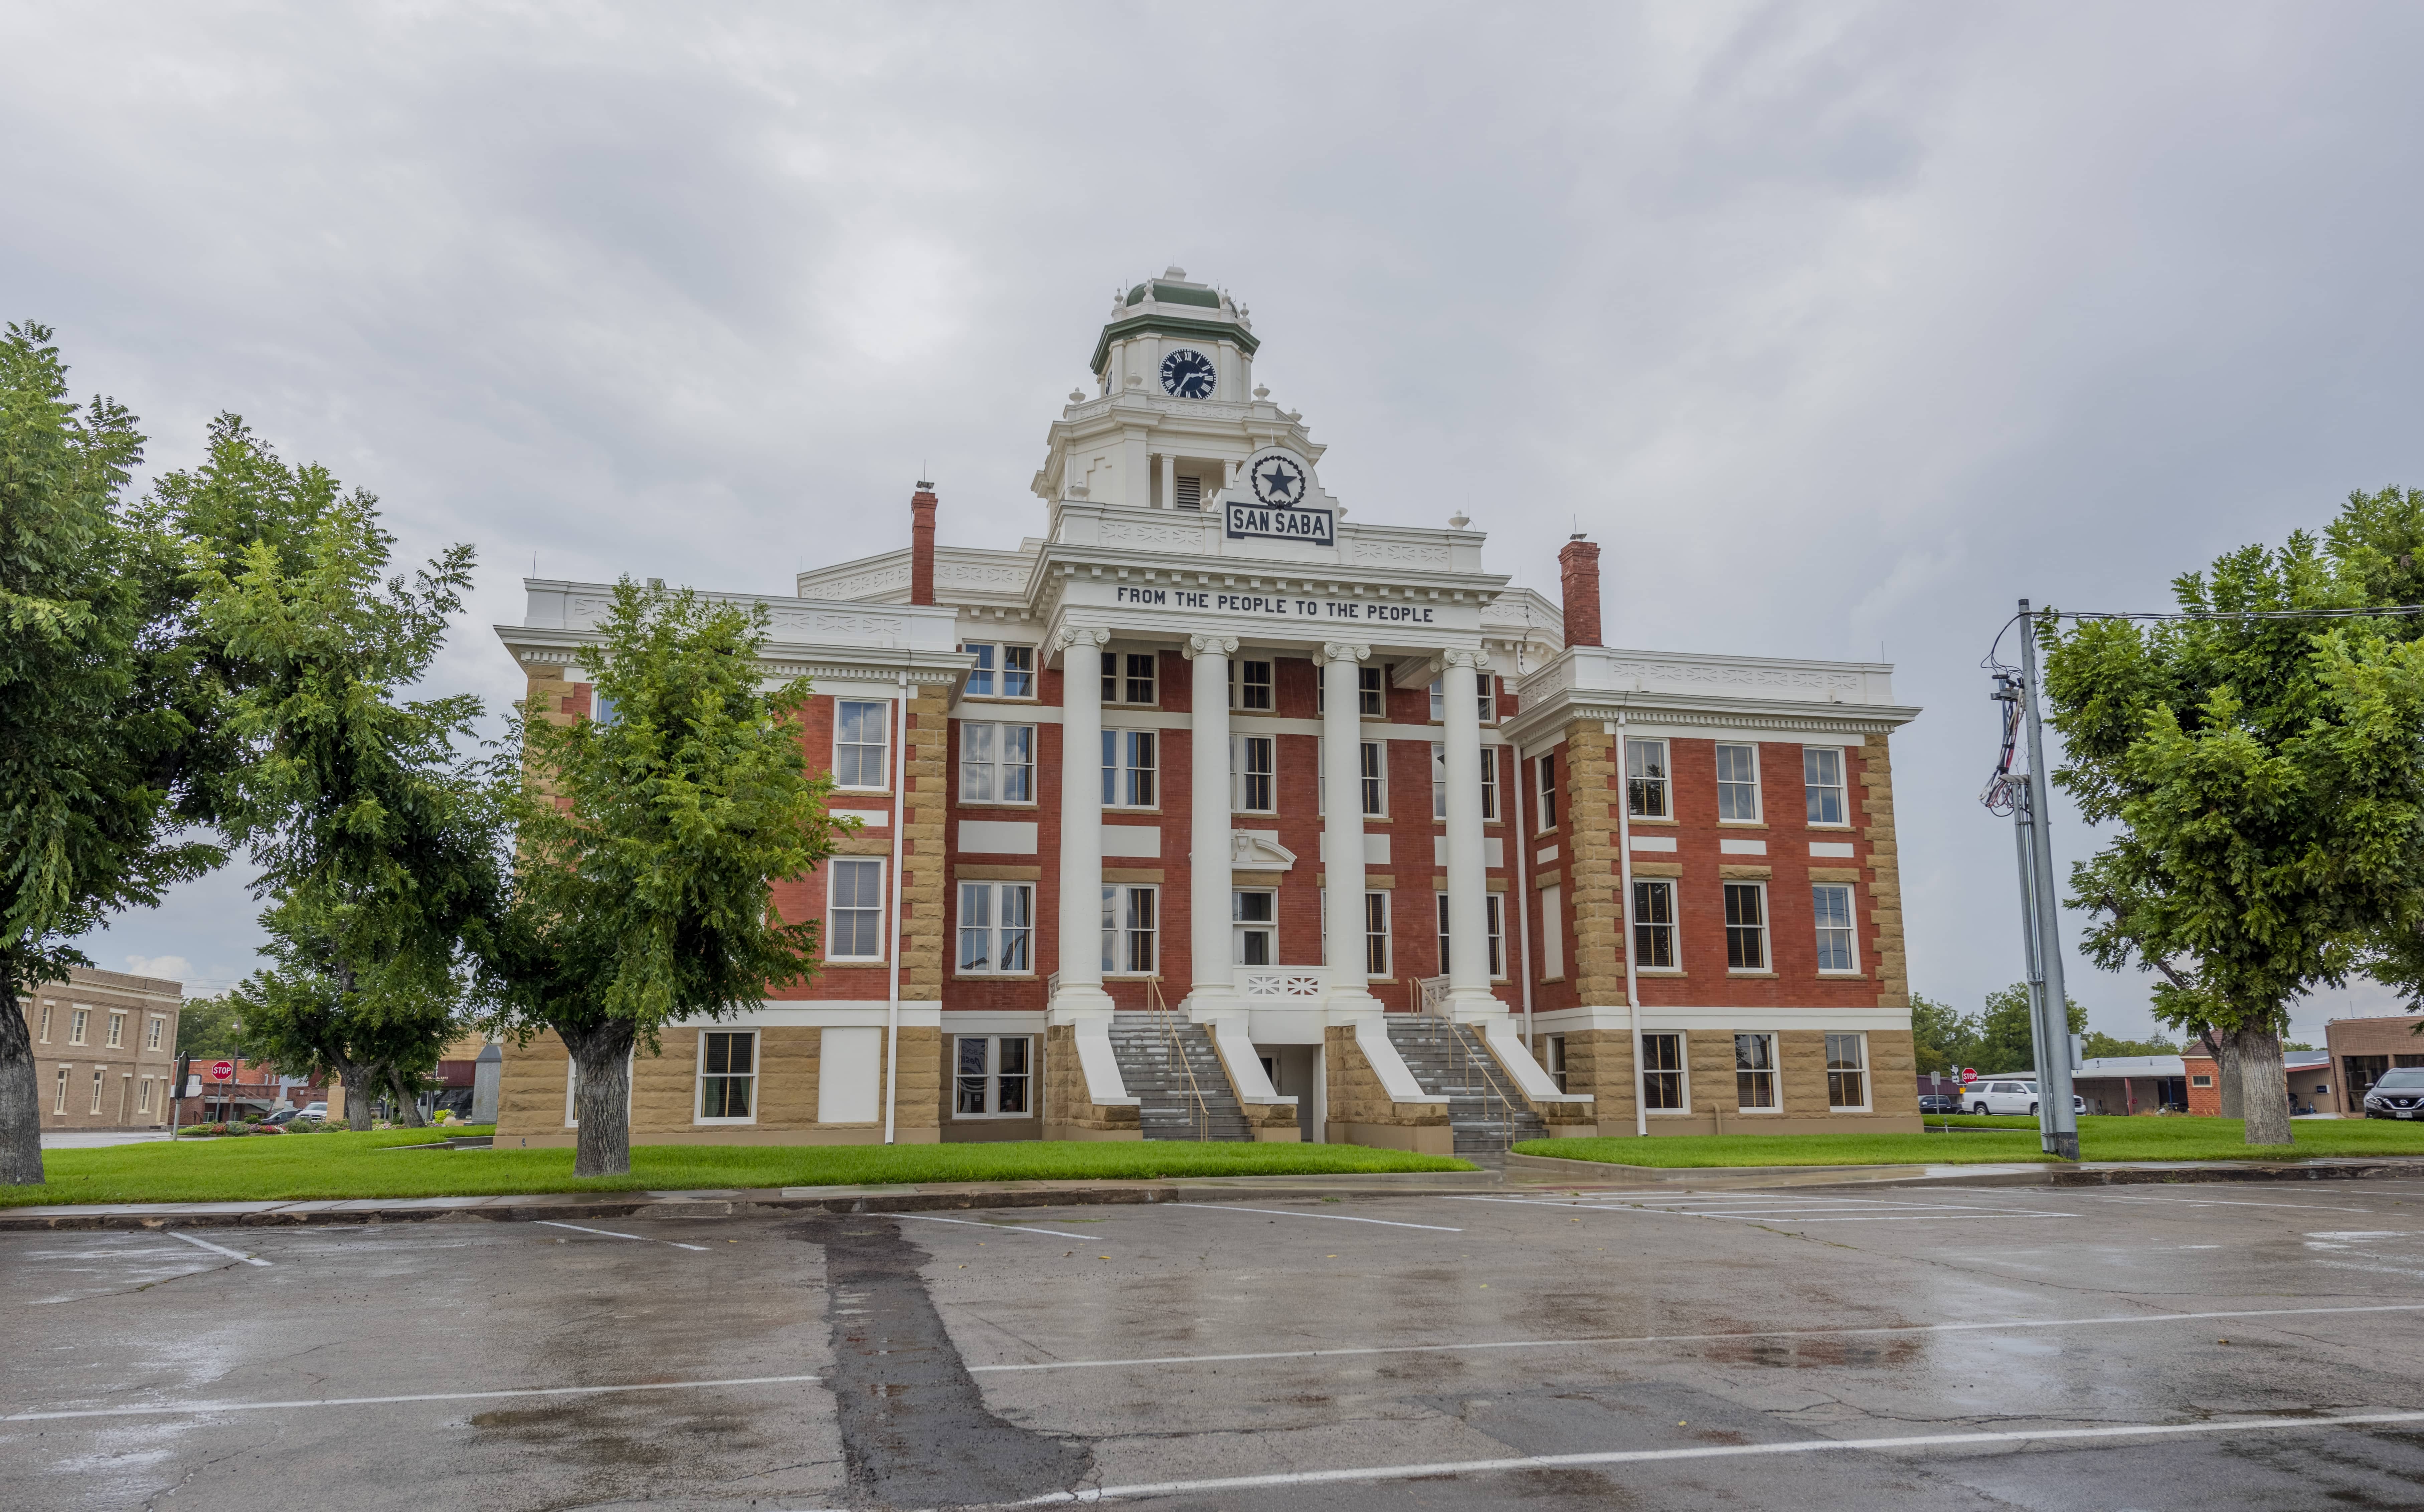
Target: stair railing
{"points": [[1165, 1019], [1481, 1079]]}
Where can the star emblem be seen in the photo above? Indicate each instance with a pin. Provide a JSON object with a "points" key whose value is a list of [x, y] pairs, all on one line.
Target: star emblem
{"points": [[1279, 481]]}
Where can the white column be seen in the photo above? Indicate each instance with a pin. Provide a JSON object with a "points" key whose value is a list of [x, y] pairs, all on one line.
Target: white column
{"points": [[1169, 481], [1342, 829], [1468, 917], [1207, 832], [1080, 992]]}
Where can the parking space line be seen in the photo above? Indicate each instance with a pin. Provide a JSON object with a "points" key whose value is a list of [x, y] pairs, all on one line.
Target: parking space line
{"points": [[611, 1235], [997, 1228], [1334, 1217], [216, 1249], [1872, 1330], [1640, 1457], [201, 1408], [1868, 1217], [2224, 1202]]}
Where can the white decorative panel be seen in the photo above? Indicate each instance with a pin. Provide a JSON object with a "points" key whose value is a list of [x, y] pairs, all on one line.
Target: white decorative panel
{"points": [[1742, 848], [1000, 838], [1831, 847], [1494, 851], [872, 817], [850, 1076], [1653, 842], [1128, 840]]}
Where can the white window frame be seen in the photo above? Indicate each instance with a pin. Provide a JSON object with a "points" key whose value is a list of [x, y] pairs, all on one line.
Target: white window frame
{"points": [[1241, 927], [1552, 1059], [1673, 926], [1732, 790], [833, 904], [1002, 661], [1848, 929], [1242, 688], [1653, 751], [1121, 769], [699, 1095], [1859, 1043], [1119, 958], [117, 1040], [159, 1031], [100, 1079], [1372, 777], [78, 1018], [995, 768], [1765, 927], [982, 675], [1544, 792], [992, 1078], [1821, 756], [143, 1096], [1488, 781], [47, 1006], [1494, 916], [1484, 692], [1774, 1072], [1376, 935], [59, 1104], [1123, 670], [1242, 779], [1000, 935], [1682, 1072], [881, 745]]}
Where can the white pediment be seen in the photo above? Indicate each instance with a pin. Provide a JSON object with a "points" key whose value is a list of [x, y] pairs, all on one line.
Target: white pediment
{"points": [[1258, 852]]}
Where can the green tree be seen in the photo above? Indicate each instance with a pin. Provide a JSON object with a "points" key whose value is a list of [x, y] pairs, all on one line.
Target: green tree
{"points": [[2099, 1046], [2007, 1044], [208, 1026], [1944, 1038], [647, 848], [373, 829], [2263, 780], [104, 746]]}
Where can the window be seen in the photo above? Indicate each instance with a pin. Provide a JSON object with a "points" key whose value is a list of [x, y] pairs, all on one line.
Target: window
{"points": [[1754, 1072], [59, 1104], [76, 1025], [1483, 688], [1662, 1074], [1376, 934], [571, 1093], [1373, 768], [1654, 926], [116, 1031], [1554, 1060], [1488, 781], [1847, 1071], [856, 930], [1127, 769], [1832, 904], [1821, 779], [858, 744], [1250, 685], [1251, 758], [996, 928], [1552, 933], [1371, 699], [1746, 925], [728, 1075], [1493, 919], [2193, 1081], [96, 1089], [143, 1096], [1737, 781], [159, 1027], [1128, 678], [1129, 924], [46, 1023], [996, 763], [993, 1077], [601, 708], [1253, 925], [1547, 817], [1645, 779], [1015, 678]]}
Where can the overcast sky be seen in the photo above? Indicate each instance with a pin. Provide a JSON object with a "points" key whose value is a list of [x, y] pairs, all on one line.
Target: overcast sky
{"points": [[1843, 326]]}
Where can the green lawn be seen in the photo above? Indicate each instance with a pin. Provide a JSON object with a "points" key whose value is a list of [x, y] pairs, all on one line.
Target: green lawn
{"points": [[2003, 1139], [258, 1167]]}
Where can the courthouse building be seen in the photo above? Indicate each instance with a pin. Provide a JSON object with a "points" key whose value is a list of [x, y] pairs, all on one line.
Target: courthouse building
{"points": [[1219, 810]]}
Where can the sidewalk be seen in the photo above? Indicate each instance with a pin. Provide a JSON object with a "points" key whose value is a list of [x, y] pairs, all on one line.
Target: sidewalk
{"points": [[1528, 1174]]}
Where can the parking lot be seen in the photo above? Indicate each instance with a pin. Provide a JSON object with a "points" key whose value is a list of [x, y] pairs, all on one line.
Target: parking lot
{"points": [[2241, 1346]]}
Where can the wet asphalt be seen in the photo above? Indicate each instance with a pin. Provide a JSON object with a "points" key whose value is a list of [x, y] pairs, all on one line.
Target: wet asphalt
{"points": [[1883, 1349]]}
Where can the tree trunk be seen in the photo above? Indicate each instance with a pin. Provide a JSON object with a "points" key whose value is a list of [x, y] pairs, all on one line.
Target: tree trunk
{"points": [[361, 1085], [407, 1108], [2264, 1086], [21, 1092], [602, 1101]]}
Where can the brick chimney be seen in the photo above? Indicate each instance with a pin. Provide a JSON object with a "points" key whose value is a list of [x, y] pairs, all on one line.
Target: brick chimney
{"points": [[1578, 574], [922, 544]]}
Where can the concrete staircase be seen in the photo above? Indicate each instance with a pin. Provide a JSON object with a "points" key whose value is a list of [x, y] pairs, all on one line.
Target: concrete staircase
{"points": [[1484, 1109], [1171, 1105]]}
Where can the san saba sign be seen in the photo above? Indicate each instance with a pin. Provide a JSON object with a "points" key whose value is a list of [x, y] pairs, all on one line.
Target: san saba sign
{"points": [[1281, 481]]}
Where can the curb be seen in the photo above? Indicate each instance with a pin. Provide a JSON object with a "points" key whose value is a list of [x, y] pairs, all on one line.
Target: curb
{"points": [[1536, 1169]]}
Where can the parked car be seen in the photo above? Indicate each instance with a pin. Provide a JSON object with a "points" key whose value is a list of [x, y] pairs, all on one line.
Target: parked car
{"points": [[2400, 1094], [2005, 1096], [1938, 1103], [313, 1111]]}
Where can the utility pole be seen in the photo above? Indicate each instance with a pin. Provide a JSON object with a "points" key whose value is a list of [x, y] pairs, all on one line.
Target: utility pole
{"points": [[2049, 1000]]}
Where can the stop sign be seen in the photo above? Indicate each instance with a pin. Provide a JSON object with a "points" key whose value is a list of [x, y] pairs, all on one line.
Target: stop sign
{"points": [[222, 1070], [1969, 1073]]}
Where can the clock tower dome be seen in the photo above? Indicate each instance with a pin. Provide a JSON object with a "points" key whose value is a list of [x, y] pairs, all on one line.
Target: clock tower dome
{"points": [[1168, 336]]}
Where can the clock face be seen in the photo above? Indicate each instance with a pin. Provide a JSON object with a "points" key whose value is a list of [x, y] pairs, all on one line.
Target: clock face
{"points": [[1187, 374]]}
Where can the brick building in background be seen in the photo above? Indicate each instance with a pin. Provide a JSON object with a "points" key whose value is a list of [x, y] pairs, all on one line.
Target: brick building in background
{"points": [[1344, 804], [104, 1048]]}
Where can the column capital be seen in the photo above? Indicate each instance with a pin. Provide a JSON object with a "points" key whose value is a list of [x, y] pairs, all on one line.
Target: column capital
{"points": [[1476, 658], [1209, 645], [1073, 635], [1342, 651]]}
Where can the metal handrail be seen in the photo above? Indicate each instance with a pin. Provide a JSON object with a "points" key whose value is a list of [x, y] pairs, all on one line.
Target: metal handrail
{"points": [[1165, 1018]]}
